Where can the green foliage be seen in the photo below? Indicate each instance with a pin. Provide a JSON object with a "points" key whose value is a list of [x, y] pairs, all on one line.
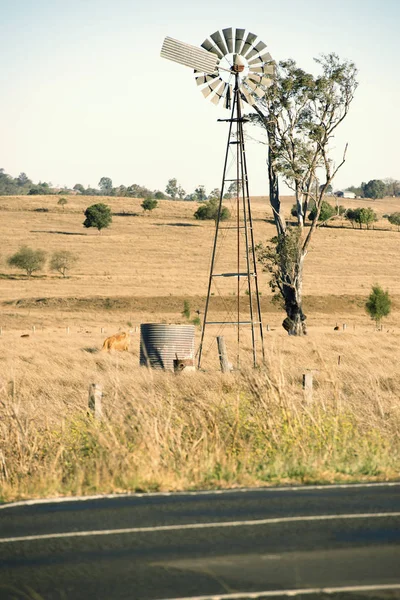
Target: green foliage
{"points": [[281, 256], [186, 309], [105, 184], [62, 202], [209, 211], [28, 260], [375, 188], [361, 216], [98, 215], [394, 219], [172, 188], [62, 261], [378, 304], [78, 187], [201, 193], [138, 191], [159, 195], [327, 211], [149, 204]]}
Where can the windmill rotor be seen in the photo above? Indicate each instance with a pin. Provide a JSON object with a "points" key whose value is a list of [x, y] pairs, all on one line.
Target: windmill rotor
{"points": [[238, 53], [226, 58]]}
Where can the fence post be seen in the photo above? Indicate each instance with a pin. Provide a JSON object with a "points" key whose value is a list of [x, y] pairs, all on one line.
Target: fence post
{"points": [[308, 386], [226, 367], [95, 397]]}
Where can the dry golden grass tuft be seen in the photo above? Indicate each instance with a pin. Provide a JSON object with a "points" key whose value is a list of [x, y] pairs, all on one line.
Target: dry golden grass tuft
{"points": [[204, 430]]}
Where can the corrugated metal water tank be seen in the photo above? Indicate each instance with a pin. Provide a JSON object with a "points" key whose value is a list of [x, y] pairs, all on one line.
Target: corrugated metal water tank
{"points": [[161, 344]]}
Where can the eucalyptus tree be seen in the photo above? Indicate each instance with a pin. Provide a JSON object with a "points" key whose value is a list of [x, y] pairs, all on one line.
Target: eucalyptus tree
{"points": [[300, 113]]}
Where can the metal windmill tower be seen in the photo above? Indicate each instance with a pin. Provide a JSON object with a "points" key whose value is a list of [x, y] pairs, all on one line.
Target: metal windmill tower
{"points": [[232, 67]]}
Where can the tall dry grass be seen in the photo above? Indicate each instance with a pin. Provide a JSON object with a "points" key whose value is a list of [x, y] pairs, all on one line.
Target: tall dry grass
{"points": [[203, 430]]}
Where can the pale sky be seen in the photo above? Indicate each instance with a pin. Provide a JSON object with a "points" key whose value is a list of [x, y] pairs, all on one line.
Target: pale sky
{"points": [[84, 93]]}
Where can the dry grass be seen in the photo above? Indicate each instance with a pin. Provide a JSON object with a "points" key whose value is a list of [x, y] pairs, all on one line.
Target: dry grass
{"points": [[204, 430], [197, 430]]}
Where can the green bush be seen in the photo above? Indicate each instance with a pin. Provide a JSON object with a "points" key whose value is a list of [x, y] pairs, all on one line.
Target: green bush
{"points": [[378, 304], [209, 211], [149, 204]]}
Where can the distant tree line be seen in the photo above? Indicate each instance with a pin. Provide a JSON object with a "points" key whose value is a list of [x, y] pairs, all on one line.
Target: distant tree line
{"points": [[377, 188], [23, 185]]}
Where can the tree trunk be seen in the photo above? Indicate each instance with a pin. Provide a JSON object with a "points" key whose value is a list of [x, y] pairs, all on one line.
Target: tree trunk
{"points": [[295, 322], [292, 292]]}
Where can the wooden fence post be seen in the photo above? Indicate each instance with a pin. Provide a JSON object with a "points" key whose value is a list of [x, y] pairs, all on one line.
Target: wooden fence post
{"points": [[308, 386], [95, 397], [226, 367]]}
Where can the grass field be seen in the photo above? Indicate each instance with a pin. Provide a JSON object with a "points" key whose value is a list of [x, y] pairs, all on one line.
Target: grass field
{"points": [[206, 429]]}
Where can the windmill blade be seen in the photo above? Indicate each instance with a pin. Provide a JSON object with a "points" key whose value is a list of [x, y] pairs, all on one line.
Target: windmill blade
{"points": [[205, 79], [217, 38], [260, 79], [219, 93], [247, 96], [211, 88], [256, 50], [266, 69], [251, 38], [256, 89], [207, 45], [228, 35], [261, 59], [189, 56], [239, 39]]}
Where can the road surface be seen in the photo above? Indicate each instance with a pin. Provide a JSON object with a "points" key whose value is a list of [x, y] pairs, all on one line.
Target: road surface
{"points": [[307, 542]]}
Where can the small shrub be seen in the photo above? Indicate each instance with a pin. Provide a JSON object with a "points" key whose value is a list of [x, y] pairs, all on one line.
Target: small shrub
{"points": [[378, 304], [62, 261], [186, 309], [149, 204], [62, 202], [209, 211]]}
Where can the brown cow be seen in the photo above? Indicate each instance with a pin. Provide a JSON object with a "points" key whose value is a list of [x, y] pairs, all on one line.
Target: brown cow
{"points": [[118, 341]]}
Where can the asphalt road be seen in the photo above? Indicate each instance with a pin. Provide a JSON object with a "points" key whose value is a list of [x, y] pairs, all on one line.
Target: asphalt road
{"points": [[314, 542]]}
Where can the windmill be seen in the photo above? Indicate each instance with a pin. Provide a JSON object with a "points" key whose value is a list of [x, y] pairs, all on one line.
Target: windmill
{"points": [[232, 67]]}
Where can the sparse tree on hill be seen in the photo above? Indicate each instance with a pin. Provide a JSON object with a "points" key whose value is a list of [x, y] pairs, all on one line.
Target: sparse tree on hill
{"points": [[181, 192], [28, 260], [300, 114], [62, 261], [62, 202], [378, 304], [98, 215], [149, 204], [200, 192], [172, 188], [105, 184]]}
